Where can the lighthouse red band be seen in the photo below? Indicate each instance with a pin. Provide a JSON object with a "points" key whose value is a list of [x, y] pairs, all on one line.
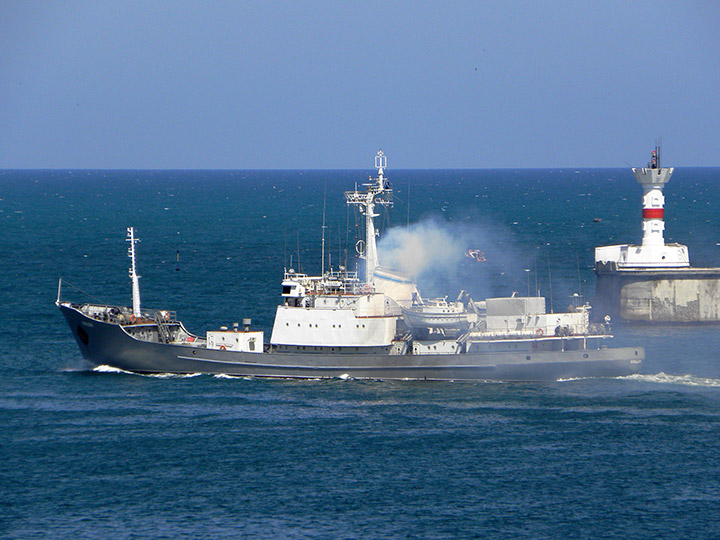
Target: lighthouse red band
{"points": [[653, 213]]}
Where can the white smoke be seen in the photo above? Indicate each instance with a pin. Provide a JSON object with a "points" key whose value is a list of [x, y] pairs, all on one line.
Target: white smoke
{"points": [[434, 254], [425, 247]]}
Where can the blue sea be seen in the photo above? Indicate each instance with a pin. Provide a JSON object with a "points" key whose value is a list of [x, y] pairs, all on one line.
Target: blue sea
{"points": [[104, 454]]}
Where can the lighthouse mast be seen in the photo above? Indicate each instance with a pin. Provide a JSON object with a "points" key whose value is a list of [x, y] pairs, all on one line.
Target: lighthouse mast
{"points": [[376, 192]]}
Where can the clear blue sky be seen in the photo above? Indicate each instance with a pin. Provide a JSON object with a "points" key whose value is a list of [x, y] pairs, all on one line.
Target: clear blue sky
{"points": [[324, 84]]}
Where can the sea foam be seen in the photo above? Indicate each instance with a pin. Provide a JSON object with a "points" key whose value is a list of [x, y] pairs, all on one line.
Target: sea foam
{"points": [[665, 378]]}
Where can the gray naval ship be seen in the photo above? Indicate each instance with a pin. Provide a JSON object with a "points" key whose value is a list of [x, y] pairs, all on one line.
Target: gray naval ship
{"points": [[337, 325]]}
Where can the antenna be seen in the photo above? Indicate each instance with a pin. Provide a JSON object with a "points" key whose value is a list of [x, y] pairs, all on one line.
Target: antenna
{"points": [[322, 265], [340, 257], [380, 163], [528, 280], [550, 284], [577, 255], [347, 233], [408, 198]]}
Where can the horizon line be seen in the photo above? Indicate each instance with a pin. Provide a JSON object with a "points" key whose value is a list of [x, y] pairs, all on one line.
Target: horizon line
{"points": [[224, 169]]}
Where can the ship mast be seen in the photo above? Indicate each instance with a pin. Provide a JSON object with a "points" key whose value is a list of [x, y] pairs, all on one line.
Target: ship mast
{"points": [[133, 273], [378, 191]]}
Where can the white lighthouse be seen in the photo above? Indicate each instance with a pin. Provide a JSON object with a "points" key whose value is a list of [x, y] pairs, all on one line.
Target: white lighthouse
{"points": [[653, 281], [653, 252]]}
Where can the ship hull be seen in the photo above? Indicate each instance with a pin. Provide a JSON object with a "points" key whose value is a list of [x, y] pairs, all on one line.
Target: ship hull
{"points": [[103, 343]]}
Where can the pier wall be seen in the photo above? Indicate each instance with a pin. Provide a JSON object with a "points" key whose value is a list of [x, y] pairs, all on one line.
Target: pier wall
{"points": [[674, 296]]}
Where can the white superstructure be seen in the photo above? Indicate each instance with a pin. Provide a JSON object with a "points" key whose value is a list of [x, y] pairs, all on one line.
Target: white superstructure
{"points": [[337, 309], [653, 252], [333, 310], [383, 312]]}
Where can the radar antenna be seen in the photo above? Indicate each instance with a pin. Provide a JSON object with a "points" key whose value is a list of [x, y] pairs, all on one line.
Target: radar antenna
{"points": [[380, 163]]}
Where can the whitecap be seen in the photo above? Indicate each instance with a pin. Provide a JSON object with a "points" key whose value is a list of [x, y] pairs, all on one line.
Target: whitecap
{"points": [[665, 378], [573, 379], [171, 375], [110, 369]]}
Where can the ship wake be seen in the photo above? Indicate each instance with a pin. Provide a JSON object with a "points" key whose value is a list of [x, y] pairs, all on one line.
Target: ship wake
{"points": [[111, 369], [665, 378], [656, 378]]}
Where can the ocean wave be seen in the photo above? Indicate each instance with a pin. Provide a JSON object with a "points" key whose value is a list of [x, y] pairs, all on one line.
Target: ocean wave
{"points": [[172, 375], [111, 369], [657, 378], [665, 378], [226, 376]]}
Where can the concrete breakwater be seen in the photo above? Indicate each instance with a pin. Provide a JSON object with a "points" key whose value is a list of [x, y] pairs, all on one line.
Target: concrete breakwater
{"points": [[677, 295]]}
